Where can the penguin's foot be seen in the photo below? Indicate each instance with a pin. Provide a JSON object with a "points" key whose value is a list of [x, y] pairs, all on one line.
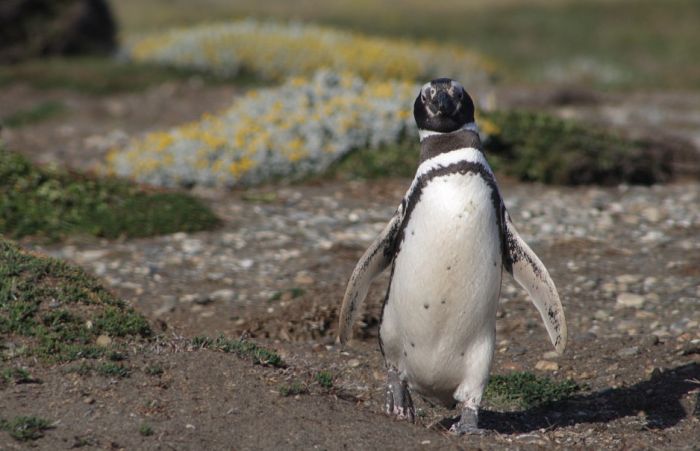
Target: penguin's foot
{"points": [[398, 399], [468, 423]]}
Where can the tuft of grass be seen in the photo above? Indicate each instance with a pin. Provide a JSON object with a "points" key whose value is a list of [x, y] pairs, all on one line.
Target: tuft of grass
{"points": [[324, 379], [18, 376], [57, 310], [243, 348], [25, 428], [293, 389], [111, 369], [52, 204], [153, 370], [525, 390], [146, 430], [37, 113]]}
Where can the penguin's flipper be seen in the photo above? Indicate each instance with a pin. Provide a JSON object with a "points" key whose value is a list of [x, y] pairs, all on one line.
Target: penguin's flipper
{"points": [[529, 271], [375, 259]]}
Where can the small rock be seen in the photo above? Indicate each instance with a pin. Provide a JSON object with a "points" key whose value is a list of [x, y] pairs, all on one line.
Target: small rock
{"points": [[353, 363], [193, 298], [628, 352], [223, 295], [246, 263], [303, 279], [547, 365], [630, 300], [191, 246], [551, 355], [169, 304], [628, 278], [89, 400], [103, 341]]}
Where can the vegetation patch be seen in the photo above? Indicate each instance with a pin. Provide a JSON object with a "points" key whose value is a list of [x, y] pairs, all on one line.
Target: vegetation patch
{"points": [[18, 376], [275, 51], [541, 147], [324, 379], [25, 428], [57, 310], [146, 430], [111, 369], [37, 113], [243, 348], [292, 389], [523, 390], [308, 125], [52, 203], [531, 147]]}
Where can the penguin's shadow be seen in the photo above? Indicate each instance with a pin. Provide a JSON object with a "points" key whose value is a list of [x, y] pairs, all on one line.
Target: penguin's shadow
{"points": [[659, 397]]}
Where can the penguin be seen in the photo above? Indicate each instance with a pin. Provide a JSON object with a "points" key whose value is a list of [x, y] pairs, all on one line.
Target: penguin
{"points": [[447, 244]]}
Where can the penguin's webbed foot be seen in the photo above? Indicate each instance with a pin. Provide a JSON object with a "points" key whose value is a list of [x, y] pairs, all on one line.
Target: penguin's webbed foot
{"points": [[398, 399], [468, 423]]}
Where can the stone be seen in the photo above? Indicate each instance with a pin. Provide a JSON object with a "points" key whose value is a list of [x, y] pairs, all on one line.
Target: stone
{"points": [[547, 365], [630, 300], [628, 352], [103, 341], [223, 295]]}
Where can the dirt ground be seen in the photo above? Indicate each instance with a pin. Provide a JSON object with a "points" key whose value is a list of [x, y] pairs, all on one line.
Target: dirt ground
{"points": [[625, 259]]}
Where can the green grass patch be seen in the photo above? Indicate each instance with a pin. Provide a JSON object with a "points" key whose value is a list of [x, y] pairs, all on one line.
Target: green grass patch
{"points": [[243, 348], [540, 147], [146, 430], [523, 390], [531, 147], [52, 203], [37, 113], [324, 379], [57, 309], [153, 370], [111, 369], [101, 76], [25, 428], [292, 389], [18, 376]]}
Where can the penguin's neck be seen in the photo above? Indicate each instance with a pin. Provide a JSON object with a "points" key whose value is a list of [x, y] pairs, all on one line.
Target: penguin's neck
{"points": [[433, 144]]}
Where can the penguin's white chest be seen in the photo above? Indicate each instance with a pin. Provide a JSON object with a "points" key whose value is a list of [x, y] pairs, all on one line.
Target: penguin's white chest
{"points": [[438, 326]]}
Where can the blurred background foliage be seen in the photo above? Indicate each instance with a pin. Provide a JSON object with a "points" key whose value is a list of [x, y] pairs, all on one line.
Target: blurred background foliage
{"points": [[610, 43]]}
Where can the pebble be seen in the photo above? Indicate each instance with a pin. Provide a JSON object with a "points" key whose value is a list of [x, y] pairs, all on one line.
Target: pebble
{"points": [[354, 363], [103, 341], [630, 300], [547, 365], [628, 352], [223, 295]]}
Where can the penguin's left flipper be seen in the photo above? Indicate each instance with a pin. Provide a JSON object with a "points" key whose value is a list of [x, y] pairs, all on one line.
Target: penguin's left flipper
{"points": [[375, 259], [527, 269]]}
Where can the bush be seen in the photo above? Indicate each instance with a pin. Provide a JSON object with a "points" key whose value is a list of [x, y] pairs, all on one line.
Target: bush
{"points": [[53, 204]]}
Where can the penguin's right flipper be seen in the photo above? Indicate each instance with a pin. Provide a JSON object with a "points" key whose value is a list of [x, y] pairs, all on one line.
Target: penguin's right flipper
{"points": [[375, 259], [529, 271]]}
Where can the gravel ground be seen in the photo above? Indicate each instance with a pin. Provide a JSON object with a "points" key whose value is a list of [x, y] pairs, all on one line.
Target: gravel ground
{"points": [[626, 261]]}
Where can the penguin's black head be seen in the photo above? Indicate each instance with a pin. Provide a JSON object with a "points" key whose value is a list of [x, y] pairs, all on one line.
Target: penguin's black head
{"points": [[443, 106]]}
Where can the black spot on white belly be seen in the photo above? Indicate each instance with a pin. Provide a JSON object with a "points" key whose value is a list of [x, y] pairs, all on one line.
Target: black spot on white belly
{"points": [[426, 306]]}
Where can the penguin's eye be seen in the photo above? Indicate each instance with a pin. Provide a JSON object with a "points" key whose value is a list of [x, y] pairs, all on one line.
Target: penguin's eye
{"points": [[458, 94], [432, 91]]}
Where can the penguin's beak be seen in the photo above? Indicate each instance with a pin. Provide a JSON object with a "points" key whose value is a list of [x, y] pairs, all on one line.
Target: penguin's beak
{"points": [[445, 103]]}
